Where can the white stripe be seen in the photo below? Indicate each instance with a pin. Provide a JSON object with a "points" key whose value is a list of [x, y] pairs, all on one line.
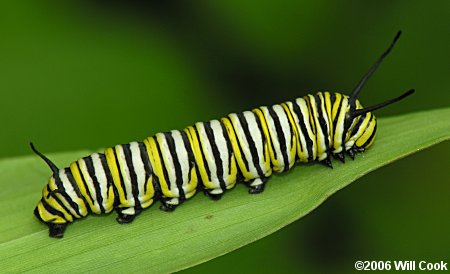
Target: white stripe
{"points": [[125, 174], [274, 137], [303, 153], [285, 128], [206, 146], [101, 178], [183, 158], [221, 143], [305, 112], [168, 164], [139, 169], [256, 136], [242, 139], [70, 191]]}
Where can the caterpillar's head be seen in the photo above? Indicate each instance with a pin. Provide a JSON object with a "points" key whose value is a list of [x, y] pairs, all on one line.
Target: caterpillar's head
{"points": [[50, 209], [360, 125]]}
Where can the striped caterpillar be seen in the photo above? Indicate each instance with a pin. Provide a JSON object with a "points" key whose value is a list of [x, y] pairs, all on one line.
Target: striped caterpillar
{"points": [[213, 156]]}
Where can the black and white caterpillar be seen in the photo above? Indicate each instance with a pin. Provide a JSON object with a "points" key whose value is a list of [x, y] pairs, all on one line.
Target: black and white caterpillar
{"points": [[213, 156]]}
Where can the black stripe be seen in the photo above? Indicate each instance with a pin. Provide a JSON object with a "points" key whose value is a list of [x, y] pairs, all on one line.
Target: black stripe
{"points": [[205, 163], [84, 183], [268, 128], [290, 125], [360, 122], [91, 170], [244, 159], [251, 143], [161, 160], [122, 182], [190, 153], [59, 202], [133, 176], [147, 165], [52, 210], [371, 136], [332, 99], [229, 145], [311, 114], [322, 122], [263, 136], [61, 190], [337, 116], [215, 150], [280, 136], [304, 131], [176, 163], [191, 144], [299, 132], [76, 188], [109, 179]]}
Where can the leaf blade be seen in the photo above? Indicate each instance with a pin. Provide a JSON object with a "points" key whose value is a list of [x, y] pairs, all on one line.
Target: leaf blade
{"points": [[201, 229]]}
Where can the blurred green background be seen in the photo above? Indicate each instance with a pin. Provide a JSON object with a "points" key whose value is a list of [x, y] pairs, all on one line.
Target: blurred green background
{"points": [[90, 74]]}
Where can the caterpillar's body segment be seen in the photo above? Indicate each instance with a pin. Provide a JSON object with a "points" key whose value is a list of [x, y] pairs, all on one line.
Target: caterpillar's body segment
{"points": [[241, 147]]}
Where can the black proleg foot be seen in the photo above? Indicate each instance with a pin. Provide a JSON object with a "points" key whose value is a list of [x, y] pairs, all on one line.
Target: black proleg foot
{"points": [[340, 156], [56, 230], [214, 197], [125, 219], [256, 189], [167, 207], [351, 153], [327, 162]]}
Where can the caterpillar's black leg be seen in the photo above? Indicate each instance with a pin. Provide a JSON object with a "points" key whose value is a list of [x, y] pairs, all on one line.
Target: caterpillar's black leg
{"points": [[327, 162], [340, 156], [56, 230], [167, 207], [127, 215], [214, 197], [257, 185], [256, 189], [351, 153], [124, 218]]}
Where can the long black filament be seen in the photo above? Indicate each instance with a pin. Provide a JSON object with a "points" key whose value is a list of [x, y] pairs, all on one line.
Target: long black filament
{"points": [[52, 166], [374, 67], [356, 113]]}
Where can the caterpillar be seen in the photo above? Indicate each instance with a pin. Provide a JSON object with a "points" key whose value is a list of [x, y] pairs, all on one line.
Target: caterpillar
{"points": [[211, 156]]}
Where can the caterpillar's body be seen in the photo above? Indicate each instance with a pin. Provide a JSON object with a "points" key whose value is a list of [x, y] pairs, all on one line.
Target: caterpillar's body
{"points": [[214, 156]]}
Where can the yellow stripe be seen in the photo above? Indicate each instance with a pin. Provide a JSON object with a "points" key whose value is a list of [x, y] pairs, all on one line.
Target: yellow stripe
{"points": [[268, 149], [149, 192], [110, 201], [343, 101], [232, 176], [195, 145], [111, 160], [234, 144], [367, 133], [325, 115], [48, 217], [311, 111], [328, 110], [157, 166], [336, 106], [294, 127], [275, 161], [54, 204], [192, 184], [52, 186], [173, 194]]}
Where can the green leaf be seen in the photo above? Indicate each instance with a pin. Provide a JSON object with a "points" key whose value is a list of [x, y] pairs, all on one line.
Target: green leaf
{"points": [[199, 230]]}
